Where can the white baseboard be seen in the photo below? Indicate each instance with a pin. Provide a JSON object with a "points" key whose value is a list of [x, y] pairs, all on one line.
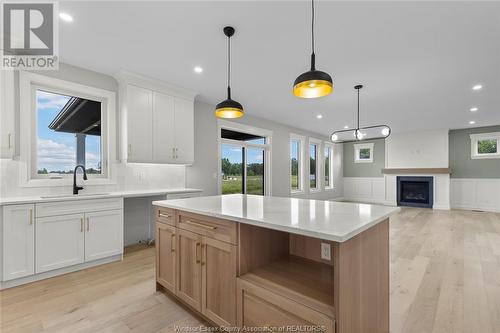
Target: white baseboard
{"points": [[56, 272]]}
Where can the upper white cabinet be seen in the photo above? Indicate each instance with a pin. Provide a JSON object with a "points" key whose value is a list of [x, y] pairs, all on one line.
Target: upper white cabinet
{"points": [[7, 114], [157, 121], [18, 241]]}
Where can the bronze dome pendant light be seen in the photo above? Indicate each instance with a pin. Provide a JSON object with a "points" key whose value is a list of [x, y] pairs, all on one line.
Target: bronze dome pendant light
{"points": [[229, 108], [313, 83], [361, 133]]}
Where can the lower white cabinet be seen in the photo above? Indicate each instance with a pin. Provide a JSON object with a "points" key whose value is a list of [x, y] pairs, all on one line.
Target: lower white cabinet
{"points": [[103, 234], [60, 241], [18, 241]]}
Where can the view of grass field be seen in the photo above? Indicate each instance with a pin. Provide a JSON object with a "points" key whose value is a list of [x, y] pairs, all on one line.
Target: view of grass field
{"points": [[233, 184]]}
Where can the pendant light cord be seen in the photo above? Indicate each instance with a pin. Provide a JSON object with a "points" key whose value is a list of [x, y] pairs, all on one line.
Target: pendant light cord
{"points": [[228, 67], [313, 56], [358, 111]]}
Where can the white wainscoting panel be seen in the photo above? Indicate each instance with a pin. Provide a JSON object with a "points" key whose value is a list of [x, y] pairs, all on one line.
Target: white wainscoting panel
{"points": [[475, 194], [364, 189]]}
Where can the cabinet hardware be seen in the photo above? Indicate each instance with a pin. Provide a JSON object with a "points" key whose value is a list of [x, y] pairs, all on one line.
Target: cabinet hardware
{"points": [[9, 140], [88, 223], [81, 224], [160, 214], [197, 256], [172, 243], [31, 216], [173, 152], [210, 227], [203, 254], [130, 149]]}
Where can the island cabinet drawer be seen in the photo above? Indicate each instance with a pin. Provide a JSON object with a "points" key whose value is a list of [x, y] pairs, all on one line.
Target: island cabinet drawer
{"points": [[165, 215], [222, 230], [260, 308]]}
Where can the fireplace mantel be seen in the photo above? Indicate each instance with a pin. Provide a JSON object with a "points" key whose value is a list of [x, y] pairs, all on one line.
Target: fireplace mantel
{"points": [[414, 171]]}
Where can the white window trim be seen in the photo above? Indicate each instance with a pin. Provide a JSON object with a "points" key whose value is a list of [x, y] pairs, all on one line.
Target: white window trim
{"points": [[302, 143], [319, 163], [332, 185], [28, 83], [268, 134], [358, 147], [474, 138]]}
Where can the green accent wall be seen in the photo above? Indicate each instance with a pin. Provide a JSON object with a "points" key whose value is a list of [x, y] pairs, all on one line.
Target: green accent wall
{"points": [[461, 164], [374, 169]]}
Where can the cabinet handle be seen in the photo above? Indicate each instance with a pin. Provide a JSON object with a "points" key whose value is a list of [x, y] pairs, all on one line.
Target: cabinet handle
{"points": [[210, 227], [9, 140], [173, 152], [81, 224], [130, 149], [160, 214], [197, 256], [172, 243], [203, 254], [31, 216], [88, 223]]}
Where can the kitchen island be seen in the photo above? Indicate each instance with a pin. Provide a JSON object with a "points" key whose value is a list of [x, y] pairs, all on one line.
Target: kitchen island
{"points": [[282, 264]]}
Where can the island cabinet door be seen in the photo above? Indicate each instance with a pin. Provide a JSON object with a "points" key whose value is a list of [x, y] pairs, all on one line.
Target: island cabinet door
{"points": [[219, 282], [188, 286], [165, 256]]}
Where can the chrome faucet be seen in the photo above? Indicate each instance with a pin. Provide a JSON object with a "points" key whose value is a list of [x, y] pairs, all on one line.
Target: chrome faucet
{"points": [[78, 188]]}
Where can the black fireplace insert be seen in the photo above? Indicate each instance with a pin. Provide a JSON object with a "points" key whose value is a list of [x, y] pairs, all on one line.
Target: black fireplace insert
{"points": [[415, 191]]}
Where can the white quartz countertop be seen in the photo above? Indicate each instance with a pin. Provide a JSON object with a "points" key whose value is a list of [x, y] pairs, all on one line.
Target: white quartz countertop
{"points": [[87, 196], [329, 220]]}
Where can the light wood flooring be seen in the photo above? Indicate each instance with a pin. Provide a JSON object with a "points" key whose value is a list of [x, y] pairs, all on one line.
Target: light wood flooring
{"points": [[445, 277]]}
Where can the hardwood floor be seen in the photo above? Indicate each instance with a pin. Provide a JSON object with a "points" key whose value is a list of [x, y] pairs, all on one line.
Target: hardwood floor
{"points": [[445, 277]]}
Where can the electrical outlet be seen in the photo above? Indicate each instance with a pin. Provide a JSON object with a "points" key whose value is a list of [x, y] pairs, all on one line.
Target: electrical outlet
{"points": [[326, 253]]}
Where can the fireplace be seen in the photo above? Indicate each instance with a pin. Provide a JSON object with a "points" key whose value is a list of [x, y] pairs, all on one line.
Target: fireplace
{"points": [[415, 191]]}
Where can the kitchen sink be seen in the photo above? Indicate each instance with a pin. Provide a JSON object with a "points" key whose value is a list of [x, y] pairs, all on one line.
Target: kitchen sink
{"points": [[62, 196]]}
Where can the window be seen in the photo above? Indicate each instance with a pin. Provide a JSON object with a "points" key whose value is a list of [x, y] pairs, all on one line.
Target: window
{"points": [[63, 124], [363, 153], [328, 158], [313, 166], [485, 145], [244, 155], [296, 162], [68, 133]]}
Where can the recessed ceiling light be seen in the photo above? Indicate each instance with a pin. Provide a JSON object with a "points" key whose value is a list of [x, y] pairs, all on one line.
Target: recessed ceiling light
{"points": [[477, 87], [474, 109], [198, 69], [472, 122], [319, 116], [346, 127], [66, 17]]}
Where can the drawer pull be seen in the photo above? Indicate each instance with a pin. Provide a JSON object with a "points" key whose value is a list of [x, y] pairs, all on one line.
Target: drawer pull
{"points": [[172, 243], [31, 216], [160, 214], [197, 252], [210, 227]]}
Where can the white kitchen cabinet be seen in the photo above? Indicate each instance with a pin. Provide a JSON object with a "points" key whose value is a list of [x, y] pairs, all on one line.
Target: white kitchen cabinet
{"points": [[60, 241], [184, 131], [139, 120], [103, 234], [18, 241], [163, 128], [159, 121], [7, 114]]}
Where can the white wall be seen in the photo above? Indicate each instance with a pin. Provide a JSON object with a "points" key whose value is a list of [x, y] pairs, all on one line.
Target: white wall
{"points": [[423, 149], [475, 194], [203, 173]]}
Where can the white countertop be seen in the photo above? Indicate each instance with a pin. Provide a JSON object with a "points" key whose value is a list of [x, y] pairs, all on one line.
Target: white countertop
{"points": [[87, 196], [329, 220]]}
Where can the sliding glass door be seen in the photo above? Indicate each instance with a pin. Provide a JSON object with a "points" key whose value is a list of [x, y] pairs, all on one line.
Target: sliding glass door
{"points": [[232, 169]]}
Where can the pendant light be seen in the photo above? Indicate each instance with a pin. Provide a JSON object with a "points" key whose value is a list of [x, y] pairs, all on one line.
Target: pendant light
{"points": [[361, 133], [314, 83], [229, 108]]}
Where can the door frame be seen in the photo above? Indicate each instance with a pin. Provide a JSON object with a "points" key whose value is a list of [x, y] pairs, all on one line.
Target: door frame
{"points": [[224, 124]]}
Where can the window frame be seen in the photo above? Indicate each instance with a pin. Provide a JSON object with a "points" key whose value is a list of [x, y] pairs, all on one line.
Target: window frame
{"points": [[300, 174], [357, 149], [29, 83], [475, 138], [319, 162], [225, 124], [329, 146]]}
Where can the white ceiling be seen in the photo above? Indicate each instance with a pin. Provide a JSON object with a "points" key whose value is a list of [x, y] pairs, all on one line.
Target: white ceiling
{"points": [[417, 60]]}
